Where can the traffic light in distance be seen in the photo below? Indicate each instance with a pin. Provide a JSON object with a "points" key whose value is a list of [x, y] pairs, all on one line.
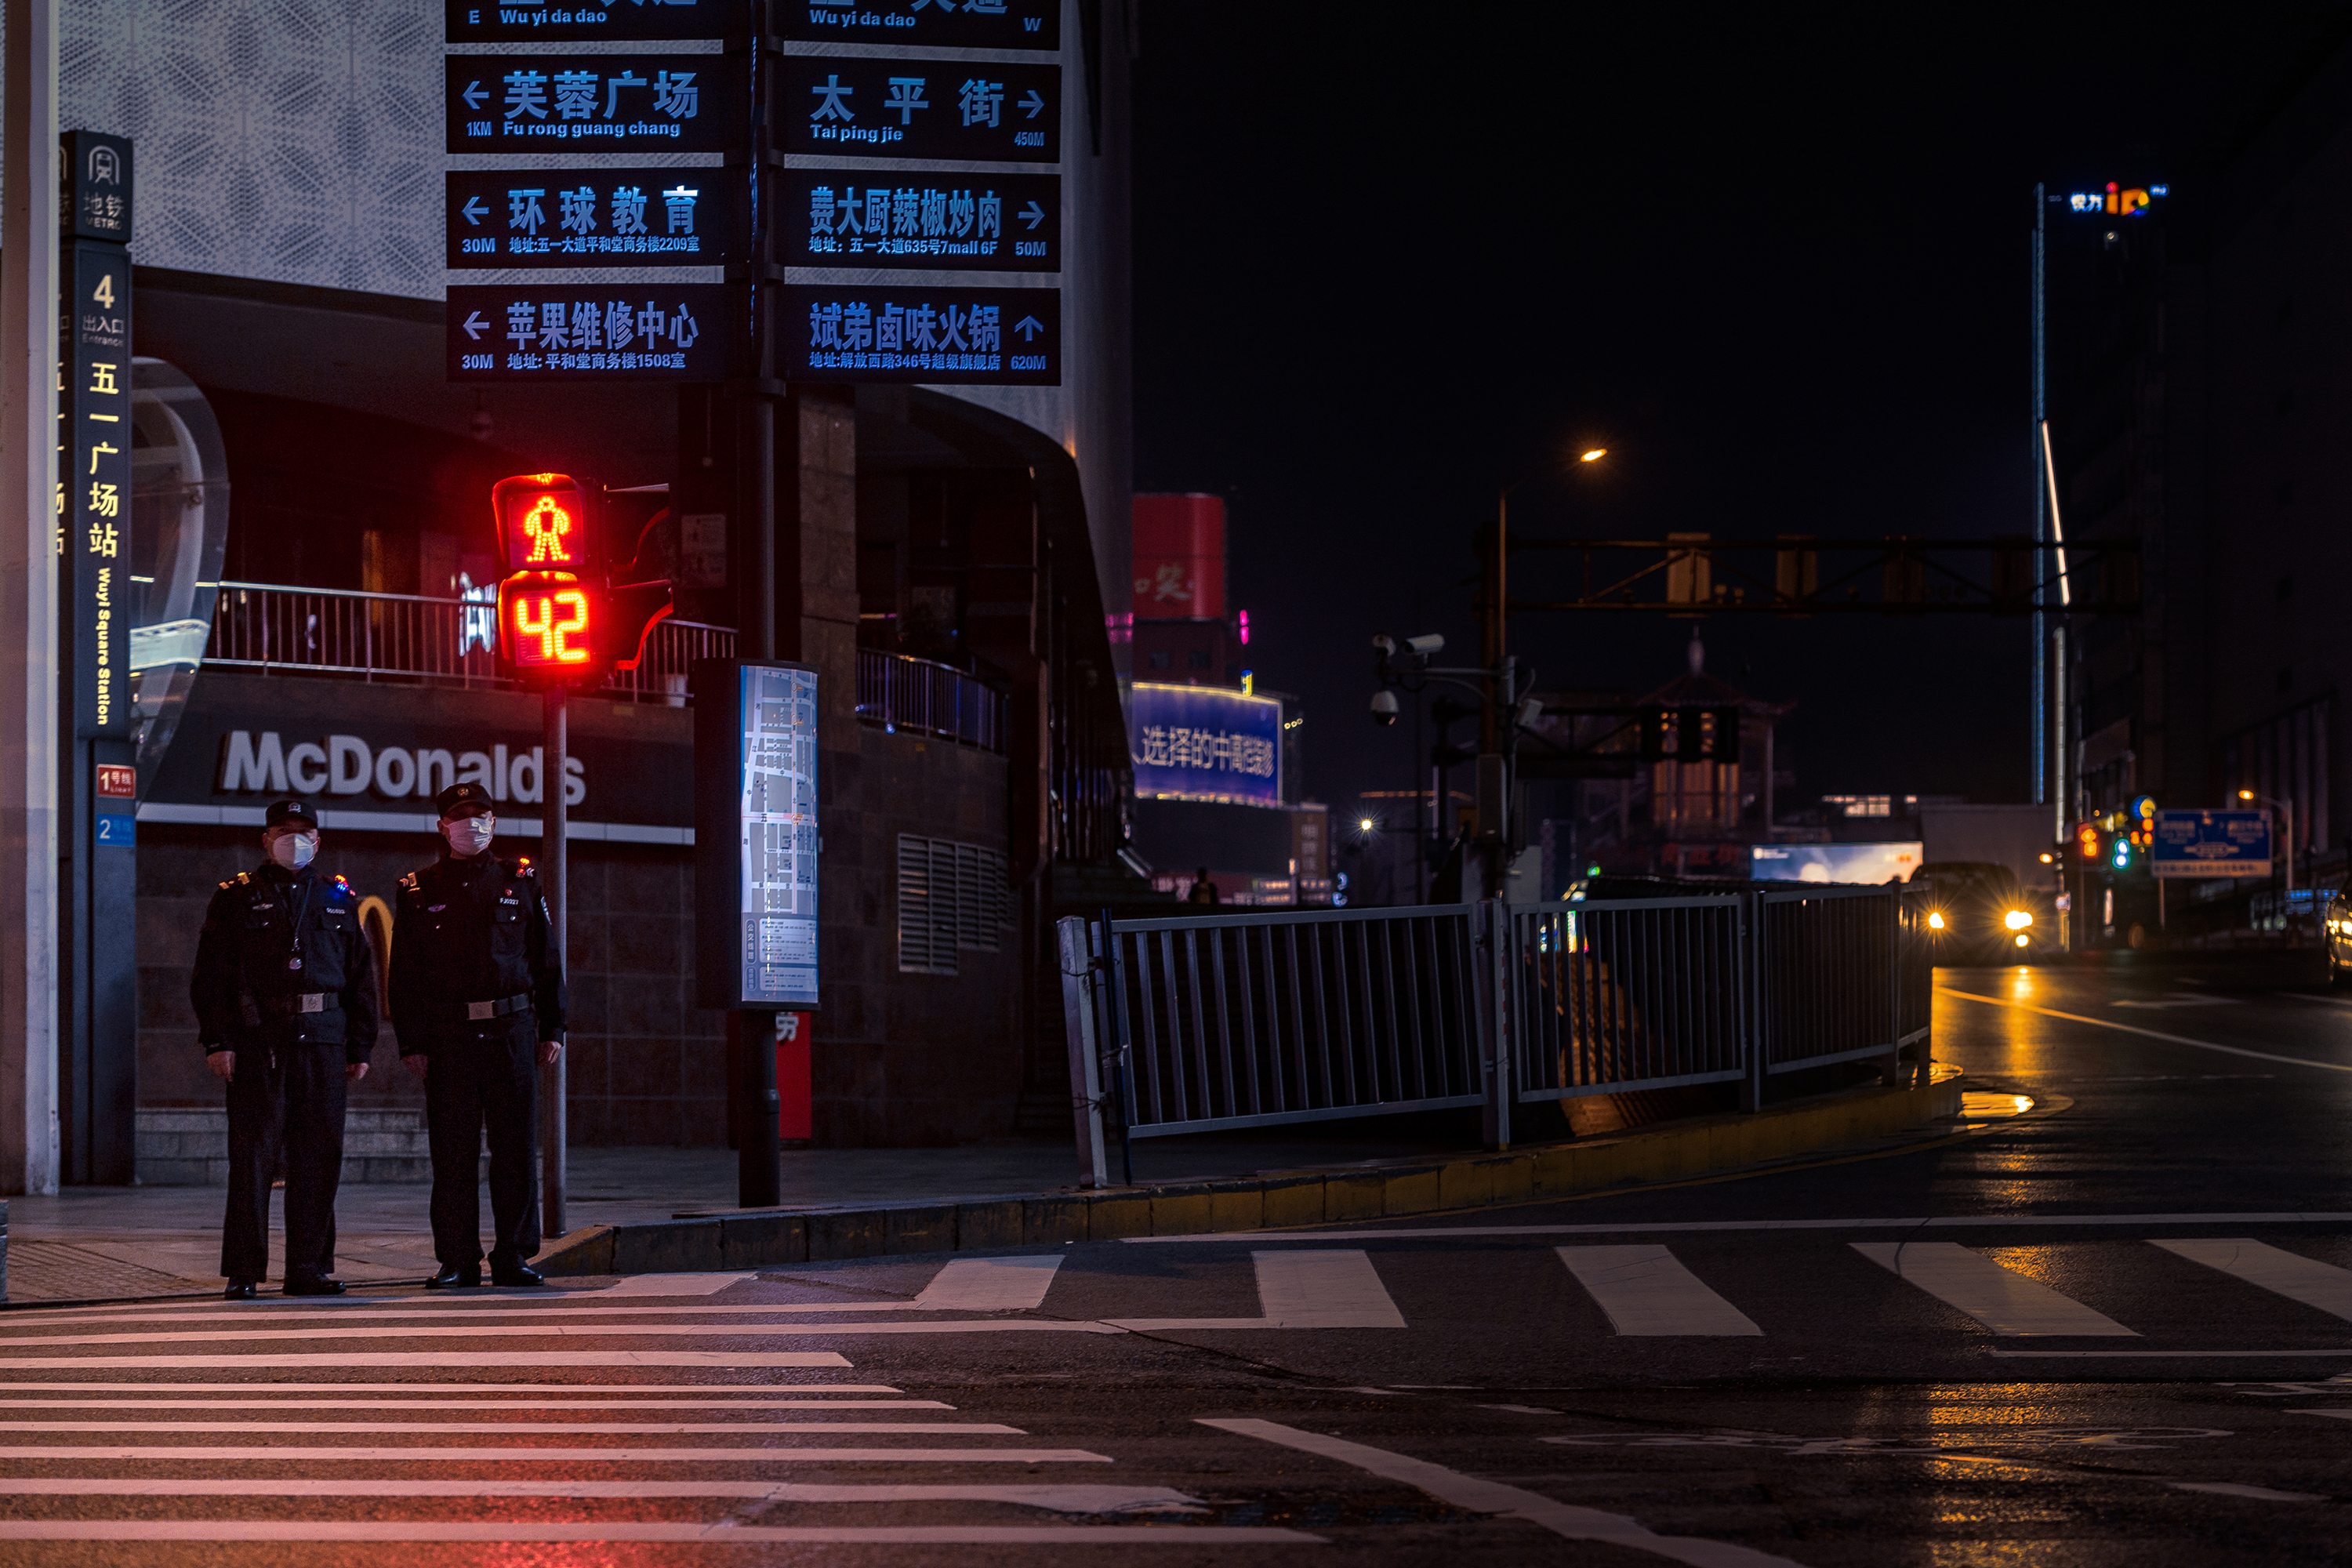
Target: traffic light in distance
{"points": [[2086, 838], [547, 523], [548, 627]]}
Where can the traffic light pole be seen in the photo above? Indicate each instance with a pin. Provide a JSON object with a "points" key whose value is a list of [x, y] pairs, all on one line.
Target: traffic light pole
{"points": [[554, 817]]}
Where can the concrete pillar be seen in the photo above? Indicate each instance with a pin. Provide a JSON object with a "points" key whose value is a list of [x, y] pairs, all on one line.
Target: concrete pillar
{"points": [[28, 599]]}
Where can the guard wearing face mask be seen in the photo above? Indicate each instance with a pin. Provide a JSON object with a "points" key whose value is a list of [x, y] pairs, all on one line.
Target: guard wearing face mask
{"points": [[477, 996], [284, 990]]}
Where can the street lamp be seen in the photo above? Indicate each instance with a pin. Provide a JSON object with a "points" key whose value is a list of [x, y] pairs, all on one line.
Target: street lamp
{"points": [[2286, 828]]}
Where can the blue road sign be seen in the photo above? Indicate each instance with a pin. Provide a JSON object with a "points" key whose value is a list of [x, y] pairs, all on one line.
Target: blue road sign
{"points": [[989, 111], [2212, 844], [592, 103], [580, 218], [873, 217], [921, 332]]}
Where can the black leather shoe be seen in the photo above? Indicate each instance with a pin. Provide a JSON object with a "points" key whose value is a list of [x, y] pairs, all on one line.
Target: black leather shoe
{"points": [[515, 1276], [453, 1278], [240, 1290], [311, 1284]]}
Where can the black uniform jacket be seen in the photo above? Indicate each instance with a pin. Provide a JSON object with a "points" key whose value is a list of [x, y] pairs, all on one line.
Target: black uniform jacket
{"points": [[471, 931], [242, 985]]}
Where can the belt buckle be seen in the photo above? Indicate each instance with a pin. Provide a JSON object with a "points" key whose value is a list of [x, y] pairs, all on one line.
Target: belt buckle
{"points": [[477, 1011]]}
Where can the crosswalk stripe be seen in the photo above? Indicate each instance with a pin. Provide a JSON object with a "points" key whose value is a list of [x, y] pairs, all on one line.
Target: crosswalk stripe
{"points": [[563, 1331], [2275, 1269], [1646, 1289], [1301, 1289], [717, 1393], [990, 1284], [507, 1360], [721, 1534], [263, 1452], [1077, 1497], [426, 1428], [261, 1314], [671, 1285], [2003, 1301]]}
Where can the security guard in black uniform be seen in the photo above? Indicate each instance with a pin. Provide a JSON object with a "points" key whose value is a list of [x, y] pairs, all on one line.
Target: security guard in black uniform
{"points": [[284, 990], [477, 996]]}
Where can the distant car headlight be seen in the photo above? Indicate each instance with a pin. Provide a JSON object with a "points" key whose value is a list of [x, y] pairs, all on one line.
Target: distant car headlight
{"points": [[1935, 920], [2021, 939], [2017, 920]]}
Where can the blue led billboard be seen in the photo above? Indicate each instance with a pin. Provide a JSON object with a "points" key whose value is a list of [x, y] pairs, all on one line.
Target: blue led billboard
{"points": [[1892, 862], [1204, 742]]}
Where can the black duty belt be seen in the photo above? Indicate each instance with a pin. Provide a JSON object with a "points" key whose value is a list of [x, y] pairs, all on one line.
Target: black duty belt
{"points": [[291, 1003], [481, 1012]]}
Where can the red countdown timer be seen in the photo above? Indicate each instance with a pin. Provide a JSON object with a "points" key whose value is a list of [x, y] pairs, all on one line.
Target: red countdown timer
{"points": [[549, 620]]}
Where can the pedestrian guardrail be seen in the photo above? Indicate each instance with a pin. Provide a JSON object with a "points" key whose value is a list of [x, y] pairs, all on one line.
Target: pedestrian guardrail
{"points": [[276, 628], [898, 692], [1229, 1022]]}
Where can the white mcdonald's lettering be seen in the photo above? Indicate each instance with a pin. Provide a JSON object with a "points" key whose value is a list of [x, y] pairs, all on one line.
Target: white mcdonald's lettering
{"points": [[549, 630], [547, 523]]}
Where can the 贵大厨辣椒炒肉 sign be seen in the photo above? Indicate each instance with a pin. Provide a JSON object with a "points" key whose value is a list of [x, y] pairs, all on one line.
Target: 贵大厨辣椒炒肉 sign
{"points": [[2204, 844], [1205, 742]]}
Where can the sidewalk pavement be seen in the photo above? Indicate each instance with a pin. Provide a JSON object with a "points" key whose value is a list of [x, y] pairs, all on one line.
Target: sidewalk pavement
{"points": [[113, 1243]]}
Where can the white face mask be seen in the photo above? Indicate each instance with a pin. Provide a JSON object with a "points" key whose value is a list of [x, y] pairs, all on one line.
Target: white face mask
{"points": [[294, 850], [470, 836]]}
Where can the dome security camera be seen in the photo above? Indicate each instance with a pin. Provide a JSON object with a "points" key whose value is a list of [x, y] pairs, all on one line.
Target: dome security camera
{"points": [[1384, 708]]}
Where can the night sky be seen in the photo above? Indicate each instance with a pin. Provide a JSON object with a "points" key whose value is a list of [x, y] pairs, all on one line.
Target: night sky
{"points": [[1388, 258]]}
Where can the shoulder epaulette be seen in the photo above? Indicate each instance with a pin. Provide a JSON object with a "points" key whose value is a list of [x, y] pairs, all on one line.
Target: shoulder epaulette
{"points": [[409, 881], [523, 867], [341, 885], [244, 877], [224, 887]]}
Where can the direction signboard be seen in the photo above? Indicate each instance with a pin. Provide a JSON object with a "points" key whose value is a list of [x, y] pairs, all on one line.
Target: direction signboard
{"points": [[592, 103], [2212, 844], [609, 333], [756, 835], [591, 21], [926, 332], [579, 218], [861, 217], [977, 110], [975, 24]]}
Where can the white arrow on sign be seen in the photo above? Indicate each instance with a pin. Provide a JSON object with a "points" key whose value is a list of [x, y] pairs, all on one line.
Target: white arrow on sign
{"points": [[473, 95], [1033, 214], [1028, 327], [1033, 103], [475, 326], [474, 209]]}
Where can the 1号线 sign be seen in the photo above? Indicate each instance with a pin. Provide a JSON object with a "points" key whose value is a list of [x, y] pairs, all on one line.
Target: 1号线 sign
{"points": [[587, 331], [588, 217], [600, 103], [988, 112], [925, 333], [856, 217], [968, 24]]}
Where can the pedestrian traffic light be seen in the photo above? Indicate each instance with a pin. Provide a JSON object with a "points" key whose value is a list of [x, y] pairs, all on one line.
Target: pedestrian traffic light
{"points": [[561, 620]]}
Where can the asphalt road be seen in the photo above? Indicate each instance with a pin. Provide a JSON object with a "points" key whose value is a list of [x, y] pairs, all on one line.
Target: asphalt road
{"points": [[2106, 1331]]}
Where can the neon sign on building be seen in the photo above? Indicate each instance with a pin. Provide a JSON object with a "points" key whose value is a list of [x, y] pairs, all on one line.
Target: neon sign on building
{"points": [[2121, 201]]}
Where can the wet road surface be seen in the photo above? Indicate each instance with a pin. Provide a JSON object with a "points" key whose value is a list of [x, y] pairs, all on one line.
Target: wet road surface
{"points": [[2109, 1330]]}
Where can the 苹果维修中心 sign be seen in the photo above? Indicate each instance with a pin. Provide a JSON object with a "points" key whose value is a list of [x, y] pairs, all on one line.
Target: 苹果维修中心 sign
{"points": [[588, 331]]}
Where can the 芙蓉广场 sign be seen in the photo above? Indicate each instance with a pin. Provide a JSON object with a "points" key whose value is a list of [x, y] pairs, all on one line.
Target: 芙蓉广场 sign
{"points": [[585, 217], [1205, 742], [864, 217], [834, 105], [587, 331], [592, 103]]}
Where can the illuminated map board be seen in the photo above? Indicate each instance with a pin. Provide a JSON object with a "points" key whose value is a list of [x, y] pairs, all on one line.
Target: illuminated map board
{"points": [[756, 835]]}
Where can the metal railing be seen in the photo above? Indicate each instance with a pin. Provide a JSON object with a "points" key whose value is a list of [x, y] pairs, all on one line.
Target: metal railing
{"points": [[272, 627], [1241, 1021], [900, 692]]}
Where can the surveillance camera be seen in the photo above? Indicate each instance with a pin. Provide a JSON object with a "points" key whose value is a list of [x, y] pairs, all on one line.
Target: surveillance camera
{"points": [[1384, 643], [1425, 646], [1531, 712], [1384, 708]]}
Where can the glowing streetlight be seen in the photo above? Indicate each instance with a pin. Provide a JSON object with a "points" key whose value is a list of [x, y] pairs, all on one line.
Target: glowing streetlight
{"points": [[1365, 824], [1594, 456]]}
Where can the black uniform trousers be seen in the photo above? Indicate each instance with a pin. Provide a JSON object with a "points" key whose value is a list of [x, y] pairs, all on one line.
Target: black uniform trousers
{"points": [[285, 1098], [486, 1077]]}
